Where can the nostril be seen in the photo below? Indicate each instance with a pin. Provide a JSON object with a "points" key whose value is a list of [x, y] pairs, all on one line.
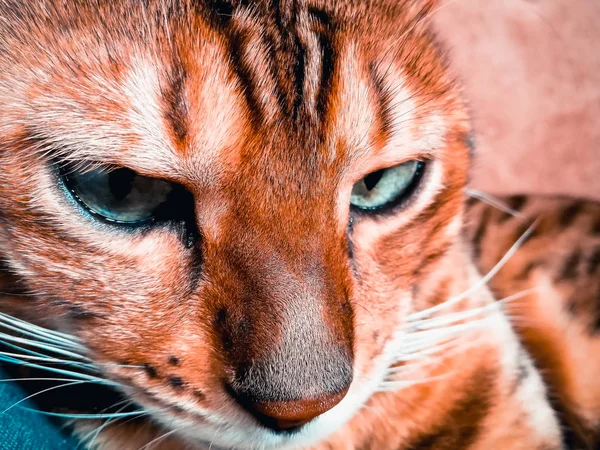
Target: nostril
{"points": [[289, 415]]}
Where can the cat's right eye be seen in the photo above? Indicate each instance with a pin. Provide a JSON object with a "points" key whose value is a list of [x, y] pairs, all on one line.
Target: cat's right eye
{"points": [[119, 195]]}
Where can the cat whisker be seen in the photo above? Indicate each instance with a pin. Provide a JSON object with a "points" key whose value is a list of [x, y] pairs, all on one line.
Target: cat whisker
{"points": [[55, 335], [210, 446], [44, 346], [423, 354], [96, 431], [493, 201], [423, 324], [387, 386], [75, 375], [482, 281], [41, 338], [7, 380], [86, 416], [439, 336], [159, 438], [47, 360], [72, 383], [446, 319], [431, 330]]}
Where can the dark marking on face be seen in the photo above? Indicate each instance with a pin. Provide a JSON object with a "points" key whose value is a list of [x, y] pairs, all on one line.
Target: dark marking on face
{"points": [[328, 58], [299, 75], [569, 214], [76, 311], [176, 109], [461, 426], [176, 382], [238, 41], [151, 371], [174, 360], [199, 395], [221, 317], [226, 340]]}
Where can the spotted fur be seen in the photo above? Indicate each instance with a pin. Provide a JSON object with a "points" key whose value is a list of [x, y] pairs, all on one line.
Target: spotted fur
{"points": [[272, 290], [558, 318]]}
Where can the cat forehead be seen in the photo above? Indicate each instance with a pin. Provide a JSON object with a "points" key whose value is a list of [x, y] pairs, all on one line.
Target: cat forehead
{"points": [[204, 98]]}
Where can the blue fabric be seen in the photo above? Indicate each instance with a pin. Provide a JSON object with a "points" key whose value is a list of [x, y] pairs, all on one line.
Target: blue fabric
{"points": [[25, 430]]}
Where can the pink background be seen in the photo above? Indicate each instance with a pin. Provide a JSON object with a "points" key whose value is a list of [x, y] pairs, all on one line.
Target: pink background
{"points": [[531, 71]]}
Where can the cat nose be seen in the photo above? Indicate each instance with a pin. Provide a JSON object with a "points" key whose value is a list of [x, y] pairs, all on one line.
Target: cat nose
{"points": [[290, 415]]}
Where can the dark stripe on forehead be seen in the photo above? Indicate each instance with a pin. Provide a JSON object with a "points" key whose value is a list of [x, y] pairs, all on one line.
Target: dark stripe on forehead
{"points": [[293, 52], [175, 105], [299, 76], [326, 31], [237, 41], [291, 36], [219, 14]]}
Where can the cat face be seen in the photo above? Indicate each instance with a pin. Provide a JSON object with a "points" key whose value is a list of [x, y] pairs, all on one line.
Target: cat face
{"points": [[237, 202]]}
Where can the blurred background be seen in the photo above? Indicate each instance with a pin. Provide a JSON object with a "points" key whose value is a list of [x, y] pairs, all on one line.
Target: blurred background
{"points": [[531, 72]]}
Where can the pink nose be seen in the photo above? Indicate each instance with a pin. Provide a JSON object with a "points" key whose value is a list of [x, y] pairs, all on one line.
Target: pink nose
{"points": [[281, 416]]}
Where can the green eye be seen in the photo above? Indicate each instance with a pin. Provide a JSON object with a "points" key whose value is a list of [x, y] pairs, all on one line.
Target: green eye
{"points": [[119, 195], [386, 187]]}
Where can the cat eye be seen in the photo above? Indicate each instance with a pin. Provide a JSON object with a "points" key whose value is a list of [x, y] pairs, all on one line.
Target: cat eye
{"points": [[386, 187], [119, 195]]}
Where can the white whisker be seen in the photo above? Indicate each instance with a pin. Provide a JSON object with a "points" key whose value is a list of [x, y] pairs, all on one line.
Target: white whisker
{"points": [[159, 438], [42, 345], [72, 383], [76, 375], [481, 282], [57, 335], [96, 431], [85, 416], [404, 384], [493, 201]]}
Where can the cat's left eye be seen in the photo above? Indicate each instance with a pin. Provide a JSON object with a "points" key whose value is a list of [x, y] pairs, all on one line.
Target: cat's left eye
{"points": [[119, 195], [387, 187]]}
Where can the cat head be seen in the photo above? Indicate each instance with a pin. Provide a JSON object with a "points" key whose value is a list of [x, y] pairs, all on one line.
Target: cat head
{"points": [[237, 201]]}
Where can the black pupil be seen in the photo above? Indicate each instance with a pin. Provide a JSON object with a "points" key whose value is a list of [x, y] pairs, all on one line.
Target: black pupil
{"points": [[372, 179], [120, 182]]}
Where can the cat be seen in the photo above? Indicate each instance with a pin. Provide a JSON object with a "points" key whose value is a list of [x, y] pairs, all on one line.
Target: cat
{"points": [[249, 219]]}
